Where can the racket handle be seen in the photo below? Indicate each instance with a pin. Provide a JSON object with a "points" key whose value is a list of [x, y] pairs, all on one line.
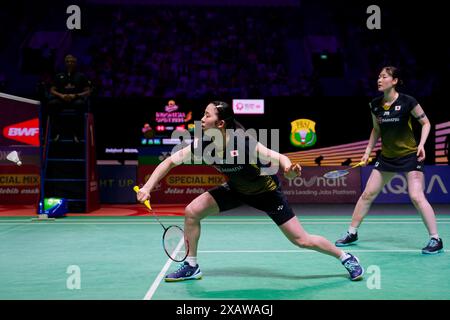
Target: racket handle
{"points": [[361, 163], [146, 202]]}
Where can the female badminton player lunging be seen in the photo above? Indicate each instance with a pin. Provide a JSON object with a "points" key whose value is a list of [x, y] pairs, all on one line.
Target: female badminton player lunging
{"points": [[391, 115], [246, 185]]}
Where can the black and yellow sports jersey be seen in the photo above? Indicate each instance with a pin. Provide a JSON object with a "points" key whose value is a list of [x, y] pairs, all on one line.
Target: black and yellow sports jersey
{"points": [[239, 164], [397, 137]]}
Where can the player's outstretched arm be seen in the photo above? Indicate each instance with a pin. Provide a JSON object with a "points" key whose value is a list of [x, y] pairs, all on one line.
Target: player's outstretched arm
{"points": [[279, 160], [162, 170]]}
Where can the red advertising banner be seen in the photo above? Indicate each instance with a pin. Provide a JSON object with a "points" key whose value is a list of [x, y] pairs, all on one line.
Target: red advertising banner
{"points": [[312, 187], [19, 185], [183, 183], [19, 121], [19, 132], [92, 188]]}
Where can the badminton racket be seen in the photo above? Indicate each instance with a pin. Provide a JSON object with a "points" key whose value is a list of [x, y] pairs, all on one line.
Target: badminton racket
{"points": [[174, 241], [335, 174]]}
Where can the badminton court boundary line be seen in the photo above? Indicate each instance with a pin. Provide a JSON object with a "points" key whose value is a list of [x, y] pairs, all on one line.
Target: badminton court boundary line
{"points": [[311, 251], [212, 219], [52, 223], [151, 291]]}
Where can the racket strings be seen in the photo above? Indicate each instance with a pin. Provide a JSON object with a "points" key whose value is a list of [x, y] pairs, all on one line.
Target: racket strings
{"points": [[175, 243], [340, 173], [336, 174]]}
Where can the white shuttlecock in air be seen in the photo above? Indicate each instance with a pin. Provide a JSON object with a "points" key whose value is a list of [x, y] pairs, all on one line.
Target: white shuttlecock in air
{"points": [[14, 157]]}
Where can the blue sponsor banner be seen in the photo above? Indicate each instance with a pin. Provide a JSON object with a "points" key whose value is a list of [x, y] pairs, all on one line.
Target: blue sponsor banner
{"points": [[155, 150], [116, 183], [154, 155], [437, 186]]}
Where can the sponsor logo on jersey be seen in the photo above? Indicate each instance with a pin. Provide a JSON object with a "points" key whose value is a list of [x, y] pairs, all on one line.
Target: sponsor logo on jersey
{"points": [[390, 120]]}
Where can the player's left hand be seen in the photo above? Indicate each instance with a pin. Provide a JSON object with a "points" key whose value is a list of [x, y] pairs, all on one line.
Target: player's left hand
{"points": [[295, 170], [420, 153]]}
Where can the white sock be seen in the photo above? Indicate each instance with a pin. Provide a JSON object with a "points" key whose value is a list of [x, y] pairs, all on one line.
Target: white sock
{"points": [[352, 230], [192, 261], [436, 236], [344, 256]]}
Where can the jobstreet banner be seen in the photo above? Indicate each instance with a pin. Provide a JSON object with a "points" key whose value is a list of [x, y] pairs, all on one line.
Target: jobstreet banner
{"points": [[312, 187], [437, 186]]}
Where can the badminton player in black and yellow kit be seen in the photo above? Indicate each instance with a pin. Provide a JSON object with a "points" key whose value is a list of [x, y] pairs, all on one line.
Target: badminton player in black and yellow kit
{"points": [[391, 114], [248, 183]]}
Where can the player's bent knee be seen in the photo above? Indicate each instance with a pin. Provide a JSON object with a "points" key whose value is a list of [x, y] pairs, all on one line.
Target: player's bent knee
{"points": [[303, 242], [417, 198], [190, 213], [193, 213]]}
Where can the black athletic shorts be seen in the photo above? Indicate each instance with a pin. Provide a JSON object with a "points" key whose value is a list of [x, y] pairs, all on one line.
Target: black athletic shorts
{"points": [[274, 203], [401, 164]]}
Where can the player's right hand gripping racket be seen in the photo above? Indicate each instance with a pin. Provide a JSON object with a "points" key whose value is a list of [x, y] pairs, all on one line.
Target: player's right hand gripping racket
{"points": [[335, 174], [174, 242]]}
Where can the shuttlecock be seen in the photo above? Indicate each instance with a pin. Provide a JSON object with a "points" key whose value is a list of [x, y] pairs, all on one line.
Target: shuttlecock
{"points": [[14, 157]]}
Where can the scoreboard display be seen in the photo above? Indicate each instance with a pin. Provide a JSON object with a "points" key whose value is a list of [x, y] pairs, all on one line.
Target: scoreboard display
{"points": [[157, 130]]}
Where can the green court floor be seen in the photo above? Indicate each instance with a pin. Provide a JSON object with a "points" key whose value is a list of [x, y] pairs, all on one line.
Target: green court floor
{"points": [[241, 258]]}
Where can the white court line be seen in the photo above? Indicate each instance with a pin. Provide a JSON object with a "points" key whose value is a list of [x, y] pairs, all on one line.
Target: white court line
{"points": [[155, 284], [215, 220], [307, 251], [269, 222], [160, 276]]}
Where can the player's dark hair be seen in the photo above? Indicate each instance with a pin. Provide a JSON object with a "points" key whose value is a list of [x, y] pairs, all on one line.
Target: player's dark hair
{"points": [[225, 112], [395, 73]]}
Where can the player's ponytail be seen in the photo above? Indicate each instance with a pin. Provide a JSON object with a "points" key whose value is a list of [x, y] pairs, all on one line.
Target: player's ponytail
{"points": [[225, 112]]}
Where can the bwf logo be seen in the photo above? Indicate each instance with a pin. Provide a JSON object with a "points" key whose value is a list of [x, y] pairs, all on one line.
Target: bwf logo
{"points": [[26, 132], [19, 132]]}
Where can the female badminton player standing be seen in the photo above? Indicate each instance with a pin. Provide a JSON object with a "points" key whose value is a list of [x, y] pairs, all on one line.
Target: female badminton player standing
{"points": [[246, 185], [391, 115]]}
